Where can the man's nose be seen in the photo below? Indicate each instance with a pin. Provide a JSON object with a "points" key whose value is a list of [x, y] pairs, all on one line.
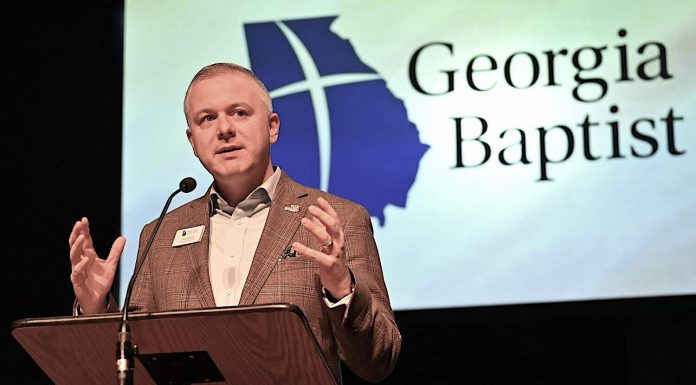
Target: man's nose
{"points": [[225, 129]]}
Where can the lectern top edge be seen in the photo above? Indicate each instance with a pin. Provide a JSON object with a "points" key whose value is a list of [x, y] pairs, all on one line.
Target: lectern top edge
{"points": [[109, 317]]}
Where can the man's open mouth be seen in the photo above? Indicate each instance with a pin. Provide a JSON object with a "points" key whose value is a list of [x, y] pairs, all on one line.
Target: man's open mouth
{"points": [[228, 150]]}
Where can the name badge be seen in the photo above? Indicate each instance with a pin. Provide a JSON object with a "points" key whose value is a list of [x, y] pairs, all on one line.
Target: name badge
{"points": [[188, 236]]}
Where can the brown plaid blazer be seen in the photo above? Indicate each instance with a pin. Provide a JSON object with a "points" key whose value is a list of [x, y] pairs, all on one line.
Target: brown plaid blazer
{"points": [[367, 338]]}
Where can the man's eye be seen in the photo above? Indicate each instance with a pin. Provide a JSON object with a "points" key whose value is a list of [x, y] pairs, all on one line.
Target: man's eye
{"points": [[240, 113], [208, 118]]}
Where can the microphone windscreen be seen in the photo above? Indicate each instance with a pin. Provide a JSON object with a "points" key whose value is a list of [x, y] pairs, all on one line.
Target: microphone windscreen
{"points": [[187, 184]]}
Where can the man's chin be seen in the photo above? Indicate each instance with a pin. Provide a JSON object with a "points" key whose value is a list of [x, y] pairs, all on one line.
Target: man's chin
{"points": [[230, 172], [234, 170]]}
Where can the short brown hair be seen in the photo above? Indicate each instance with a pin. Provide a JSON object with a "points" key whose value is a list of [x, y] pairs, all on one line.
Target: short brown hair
{"points": [[212, 70]]}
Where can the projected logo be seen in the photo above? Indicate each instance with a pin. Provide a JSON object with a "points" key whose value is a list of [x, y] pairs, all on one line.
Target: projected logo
{"points": [[342, 130]]}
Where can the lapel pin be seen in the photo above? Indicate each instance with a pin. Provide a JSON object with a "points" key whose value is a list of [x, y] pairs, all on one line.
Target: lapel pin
{"points": [[292, 208]]}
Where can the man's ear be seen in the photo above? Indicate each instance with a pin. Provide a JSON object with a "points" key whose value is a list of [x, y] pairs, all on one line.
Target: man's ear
{"points": [[189, 136], [274, 127]]}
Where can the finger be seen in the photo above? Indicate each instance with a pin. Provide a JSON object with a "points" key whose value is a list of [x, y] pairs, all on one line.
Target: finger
{"points": [[329, 241], [76, 250], [316, 256], [319, 232], [74, 233], [316, 221], [85, 223], [89, 252], [86, 232], [326, 206], [77, 276], [331, 223], [116, 250]]}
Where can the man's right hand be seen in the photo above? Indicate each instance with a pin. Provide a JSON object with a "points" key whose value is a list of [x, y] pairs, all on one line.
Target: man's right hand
{"points": [[91, 276]]}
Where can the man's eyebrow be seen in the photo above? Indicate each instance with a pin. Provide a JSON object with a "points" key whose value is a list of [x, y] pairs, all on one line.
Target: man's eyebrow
{"points": [[203, 110], [233, 105]]}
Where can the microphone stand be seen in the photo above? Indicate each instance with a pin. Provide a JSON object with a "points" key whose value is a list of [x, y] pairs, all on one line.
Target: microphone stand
{"points": [[125, 350]]}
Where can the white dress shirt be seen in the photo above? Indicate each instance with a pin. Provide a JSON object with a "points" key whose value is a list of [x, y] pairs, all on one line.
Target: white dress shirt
{"points": [[234, 235]]}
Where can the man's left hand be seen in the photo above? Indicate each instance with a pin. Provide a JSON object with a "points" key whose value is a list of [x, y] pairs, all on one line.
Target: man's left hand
{"points": [[323, 223]]}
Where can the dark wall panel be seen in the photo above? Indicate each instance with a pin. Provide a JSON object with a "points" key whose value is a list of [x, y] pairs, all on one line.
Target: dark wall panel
{"points": [[61, 145]]}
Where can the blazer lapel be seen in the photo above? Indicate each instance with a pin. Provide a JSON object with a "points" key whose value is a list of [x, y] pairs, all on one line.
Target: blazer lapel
{"points": [[279, 230], [198, 255]]}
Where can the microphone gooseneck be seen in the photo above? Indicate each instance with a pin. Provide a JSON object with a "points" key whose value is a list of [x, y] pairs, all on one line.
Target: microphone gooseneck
{"points": [[124, 346]]}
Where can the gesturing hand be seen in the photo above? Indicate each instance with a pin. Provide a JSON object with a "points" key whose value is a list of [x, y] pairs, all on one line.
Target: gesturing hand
{"points": [[91, 276], [323, 223]]}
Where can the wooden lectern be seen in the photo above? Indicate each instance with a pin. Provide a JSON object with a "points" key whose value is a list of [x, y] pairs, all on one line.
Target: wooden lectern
{"points": [[269, 344]]}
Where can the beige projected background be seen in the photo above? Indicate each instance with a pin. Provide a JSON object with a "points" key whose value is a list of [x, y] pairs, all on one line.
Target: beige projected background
{"points": [[473, 235]]}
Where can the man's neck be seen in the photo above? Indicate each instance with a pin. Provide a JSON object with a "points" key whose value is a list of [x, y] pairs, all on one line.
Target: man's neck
{"points": [[235, 190]]}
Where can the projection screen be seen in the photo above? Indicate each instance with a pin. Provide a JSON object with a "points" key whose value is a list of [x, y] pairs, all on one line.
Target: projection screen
{"points": [[508, 152]]}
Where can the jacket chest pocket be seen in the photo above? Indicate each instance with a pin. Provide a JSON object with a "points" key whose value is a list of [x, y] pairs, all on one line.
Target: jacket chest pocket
{"points": [[293, 280]]}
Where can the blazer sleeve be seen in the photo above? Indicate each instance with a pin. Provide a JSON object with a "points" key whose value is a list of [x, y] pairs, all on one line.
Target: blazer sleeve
{"points": [[143, 298], [368, 338]]}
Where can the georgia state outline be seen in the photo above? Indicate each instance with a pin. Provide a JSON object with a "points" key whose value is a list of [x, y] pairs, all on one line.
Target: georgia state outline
{"points": [[342, 129]]}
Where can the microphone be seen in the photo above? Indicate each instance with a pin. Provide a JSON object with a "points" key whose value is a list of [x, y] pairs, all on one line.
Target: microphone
{"points": [[124, 347], [187, 185]]}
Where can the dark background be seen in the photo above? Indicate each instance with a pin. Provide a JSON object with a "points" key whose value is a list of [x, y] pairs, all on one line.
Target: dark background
{"points": [[61, 152]]}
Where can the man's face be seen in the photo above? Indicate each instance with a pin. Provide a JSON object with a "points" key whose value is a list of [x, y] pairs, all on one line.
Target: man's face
{"points": [[230, 128]]}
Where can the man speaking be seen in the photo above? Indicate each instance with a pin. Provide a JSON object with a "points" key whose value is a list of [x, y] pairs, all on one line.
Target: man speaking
{"points": [[263, 237]]}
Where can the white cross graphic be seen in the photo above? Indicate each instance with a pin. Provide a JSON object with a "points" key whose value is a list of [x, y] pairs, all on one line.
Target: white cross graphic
{"points": [[315, 84]]}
